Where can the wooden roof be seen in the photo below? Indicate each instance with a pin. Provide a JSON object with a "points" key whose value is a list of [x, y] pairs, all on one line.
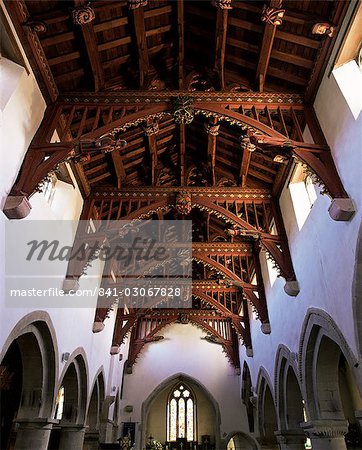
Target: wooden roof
{"points": [[183, 109], [125, 48], [160, 46]]}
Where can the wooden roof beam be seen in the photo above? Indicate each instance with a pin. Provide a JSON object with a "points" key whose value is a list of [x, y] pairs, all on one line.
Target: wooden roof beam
{"points": [[244, 168], [141, 40], [221, 31], [79, 13], [272, 16], [181, 43], [212, 129], [118, 167], [182, 154], [19, 15], [151, 130]]}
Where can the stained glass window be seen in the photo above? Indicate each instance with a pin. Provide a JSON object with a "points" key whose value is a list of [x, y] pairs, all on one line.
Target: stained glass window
{"points": [[181, 414], [59, 404]]}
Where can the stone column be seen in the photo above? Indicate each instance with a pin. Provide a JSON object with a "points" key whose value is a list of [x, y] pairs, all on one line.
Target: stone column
{"points": [[290, 439], [91, 440], [266, 445], [327, 434], [358, 416], [33, 434], [71, 437]]}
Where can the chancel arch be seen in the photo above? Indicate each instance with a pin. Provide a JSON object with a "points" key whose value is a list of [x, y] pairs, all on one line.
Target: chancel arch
{"points": [[28, 374], [332, 380], [162, 407]]}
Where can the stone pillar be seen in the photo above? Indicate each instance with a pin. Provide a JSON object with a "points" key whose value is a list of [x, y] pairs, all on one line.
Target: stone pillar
{"points": [[327, 434], [71, 437], [266, 445], [358, 416], [33, 434], [91, 440], [290, 439]]}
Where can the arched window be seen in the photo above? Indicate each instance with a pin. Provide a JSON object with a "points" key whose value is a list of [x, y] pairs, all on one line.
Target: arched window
{"points": [[59, 404], [181, 414]]}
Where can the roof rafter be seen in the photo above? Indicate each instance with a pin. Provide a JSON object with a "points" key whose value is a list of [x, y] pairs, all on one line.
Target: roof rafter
{"points": [[118, 167], [141, 40], [182, 154], [221, 31], [151, 130], [273, 19], [181, 43], [212, 131], [90, 41], [19, 14]]}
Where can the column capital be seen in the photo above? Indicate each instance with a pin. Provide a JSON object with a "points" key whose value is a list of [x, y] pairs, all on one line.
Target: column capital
{"points": [[286, 437], [325, 429], [35, 421]]}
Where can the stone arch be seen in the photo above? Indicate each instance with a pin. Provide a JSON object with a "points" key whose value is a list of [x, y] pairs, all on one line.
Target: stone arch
{"points": [[29, 356], [317, 324], [288, 395], [357, 293], [267, 414], [247, 395], [72, 389], [331, 376], [75, 373], [166, 385], [97, 394], [241, 440], [94, 419]]}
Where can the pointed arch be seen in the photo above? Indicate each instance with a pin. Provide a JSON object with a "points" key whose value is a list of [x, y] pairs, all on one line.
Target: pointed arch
{"points": [[267, 413], [167, 384], [321, 347], [74, 379], [288, 391], [357, 292], [35, 336], [247, 396]]}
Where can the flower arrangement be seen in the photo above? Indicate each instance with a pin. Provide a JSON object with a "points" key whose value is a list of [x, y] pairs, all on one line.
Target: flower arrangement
{"points": [[153, 444]]}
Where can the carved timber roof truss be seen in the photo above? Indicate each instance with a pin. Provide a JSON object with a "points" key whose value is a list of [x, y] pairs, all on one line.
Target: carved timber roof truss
{"points": [[158, 44], [171, 110]]}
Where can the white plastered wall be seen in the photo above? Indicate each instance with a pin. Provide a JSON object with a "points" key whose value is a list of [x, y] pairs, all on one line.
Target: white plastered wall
{"points": [[184, 351], [323, 251], [22, 110]]}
